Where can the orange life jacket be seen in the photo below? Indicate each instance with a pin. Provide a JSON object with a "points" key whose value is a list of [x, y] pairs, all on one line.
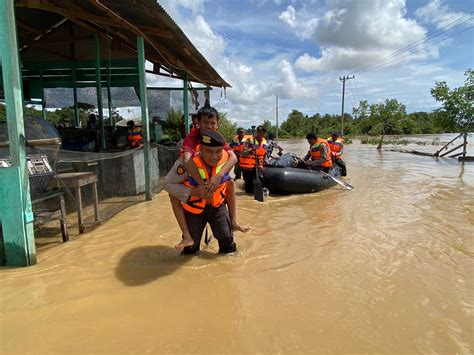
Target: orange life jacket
{"points": [[236, 144], [196, 204], [336, 147], [316, 153], [135, 136], [247, 157]]}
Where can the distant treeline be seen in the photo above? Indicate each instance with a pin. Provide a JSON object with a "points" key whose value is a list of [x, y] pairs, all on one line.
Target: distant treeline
{"points": [[366, 120]]}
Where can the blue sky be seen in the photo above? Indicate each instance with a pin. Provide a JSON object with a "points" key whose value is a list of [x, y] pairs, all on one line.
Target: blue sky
{"points": [[299, 49]]}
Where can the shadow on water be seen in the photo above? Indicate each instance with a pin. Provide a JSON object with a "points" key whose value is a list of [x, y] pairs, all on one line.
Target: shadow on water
{"points": [[145, 264]]}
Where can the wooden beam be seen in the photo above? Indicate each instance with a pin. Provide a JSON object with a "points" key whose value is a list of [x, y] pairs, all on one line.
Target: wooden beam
{"points": [[452, 150], [60, 40], [82, 15], [29, 28]]}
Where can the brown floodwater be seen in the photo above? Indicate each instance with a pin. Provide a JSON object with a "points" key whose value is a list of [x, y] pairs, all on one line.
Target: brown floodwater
{"points": [[384, 268]]}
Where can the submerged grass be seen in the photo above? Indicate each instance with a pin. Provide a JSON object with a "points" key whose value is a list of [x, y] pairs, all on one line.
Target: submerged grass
{"points": [[397, 141]]}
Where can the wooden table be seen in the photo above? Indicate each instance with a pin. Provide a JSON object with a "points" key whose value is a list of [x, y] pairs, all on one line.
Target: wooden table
{"points": [[76, 181], [62, 208]]}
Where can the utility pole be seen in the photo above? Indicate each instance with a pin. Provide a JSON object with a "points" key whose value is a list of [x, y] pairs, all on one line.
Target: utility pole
{"points": [[276, 110], [344, 79]]}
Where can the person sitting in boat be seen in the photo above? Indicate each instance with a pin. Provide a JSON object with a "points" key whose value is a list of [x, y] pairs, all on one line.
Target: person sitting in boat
{"points": [[252, 149], [135, 136], [319, 154], [271, 145], [336, 144], [202, 208], [236, 145]]}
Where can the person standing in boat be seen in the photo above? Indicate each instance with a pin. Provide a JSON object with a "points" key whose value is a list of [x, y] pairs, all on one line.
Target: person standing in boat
{"points": [[272, 144], [236, 145], [319, 155], [253, 153], [203, 207], [336, 144]]}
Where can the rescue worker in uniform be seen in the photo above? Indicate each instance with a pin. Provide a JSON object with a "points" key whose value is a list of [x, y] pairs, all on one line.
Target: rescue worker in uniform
{"points": [[236, 145], [135, 136], [250, 151], [319, 154], [336, 144], [202, 208], [208, 121]]}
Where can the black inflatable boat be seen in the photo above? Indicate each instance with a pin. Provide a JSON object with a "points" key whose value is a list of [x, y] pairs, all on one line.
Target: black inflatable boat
{"points": [[283, 177]]}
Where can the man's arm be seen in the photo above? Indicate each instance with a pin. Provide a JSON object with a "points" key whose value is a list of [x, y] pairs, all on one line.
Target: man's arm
{"points": [[216, 179], [174, 181], [307, 156], [191, 167], [318, 162]]}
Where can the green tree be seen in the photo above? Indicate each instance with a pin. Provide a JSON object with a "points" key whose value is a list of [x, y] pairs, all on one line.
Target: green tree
{"points": [[387, 117], [295, 124], [228, 129], [457, 103]]}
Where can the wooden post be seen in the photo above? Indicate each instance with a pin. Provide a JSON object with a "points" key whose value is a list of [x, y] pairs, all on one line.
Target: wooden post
{"points": [[15, 204], [464, 149], [144, 109], [185, 102], [103, 142]]}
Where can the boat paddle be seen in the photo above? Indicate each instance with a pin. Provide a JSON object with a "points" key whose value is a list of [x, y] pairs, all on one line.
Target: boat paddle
{"points": [[339, 181], [257, 184]]}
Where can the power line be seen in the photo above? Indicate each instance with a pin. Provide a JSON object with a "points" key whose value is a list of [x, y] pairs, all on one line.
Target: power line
{"points": [[450, 26], [410, 53]]}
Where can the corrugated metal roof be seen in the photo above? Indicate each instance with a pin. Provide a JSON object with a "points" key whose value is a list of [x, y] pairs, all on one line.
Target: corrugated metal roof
{"points": [[62, 30]]}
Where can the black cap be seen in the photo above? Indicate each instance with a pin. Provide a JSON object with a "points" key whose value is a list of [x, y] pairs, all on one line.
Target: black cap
{"points": [[212, 139], [261, 129]]}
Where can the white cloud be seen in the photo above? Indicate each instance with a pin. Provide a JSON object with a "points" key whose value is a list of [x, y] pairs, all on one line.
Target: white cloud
{"points": [[355, 33], [173, 7], [288, 87], [437, 13], [304, 29]]}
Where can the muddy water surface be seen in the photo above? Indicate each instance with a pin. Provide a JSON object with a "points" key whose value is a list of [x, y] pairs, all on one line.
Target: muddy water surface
{"points": [[385, 268]]}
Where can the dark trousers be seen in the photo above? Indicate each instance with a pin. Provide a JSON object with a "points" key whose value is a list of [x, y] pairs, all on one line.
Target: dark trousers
{"points": [[237, 171], [219, 220], [248, 179], [341, 163]]}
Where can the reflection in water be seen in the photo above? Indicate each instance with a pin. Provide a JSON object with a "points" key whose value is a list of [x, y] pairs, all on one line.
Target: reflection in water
{"points": [[386, 267]]}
